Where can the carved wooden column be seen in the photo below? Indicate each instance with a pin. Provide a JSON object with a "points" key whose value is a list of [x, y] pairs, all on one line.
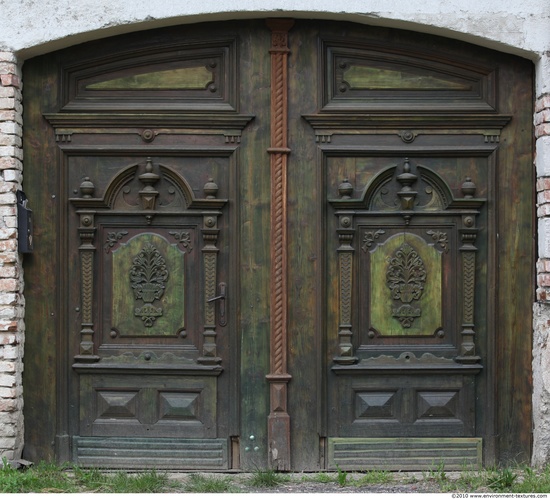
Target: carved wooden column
{"points": [[86, 232], [279, 419], [210, 251], [345, 264], [468, 233]]}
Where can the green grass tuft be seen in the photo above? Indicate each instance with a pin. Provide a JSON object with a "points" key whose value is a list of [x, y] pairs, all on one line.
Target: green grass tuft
{"points": [[342, 477], [201, 484], [372, 477], [267, 478]]}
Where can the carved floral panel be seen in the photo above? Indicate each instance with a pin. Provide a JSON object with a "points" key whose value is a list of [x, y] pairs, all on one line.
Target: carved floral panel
{"points": [[406, 286], [148, 297]]}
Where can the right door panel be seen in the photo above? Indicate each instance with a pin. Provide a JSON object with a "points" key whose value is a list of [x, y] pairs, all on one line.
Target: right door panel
{"points": [[415, 150]]}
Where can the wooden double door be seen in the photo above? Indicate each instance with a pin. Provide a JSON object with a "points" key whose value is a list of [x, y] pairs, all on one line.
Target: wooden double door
{"points": [[292, 244]]}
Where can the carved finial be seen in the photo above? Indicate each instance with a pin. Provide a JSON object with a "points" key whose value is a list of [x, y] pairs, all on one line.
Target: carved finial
{"points": [[406, 194], [345, 189], [210, 189], [148, 194], [468, 188], [87, 188]]}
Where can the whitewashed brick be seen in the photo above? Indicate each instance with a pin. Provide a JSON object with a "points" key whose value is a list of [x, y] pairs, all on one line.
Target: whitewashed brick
{"points": [[7, 442], [10, 163], [7, 92], [11, 128], [10, 140], [8, 57], [12, 151], [8, 299], [7, 103], [7, 380], [13, 176], [8, 430], [7, 233], [542, 158], [10, 352], [10, 393]]}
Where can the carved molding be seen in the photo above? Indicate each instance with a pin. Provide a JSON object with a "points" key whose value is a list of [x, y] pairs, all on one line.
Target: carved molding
{"points": [[413, 189], [370, 238], [441, 238], [113, 238], [279, 420], [184, 238], [111, 204]]}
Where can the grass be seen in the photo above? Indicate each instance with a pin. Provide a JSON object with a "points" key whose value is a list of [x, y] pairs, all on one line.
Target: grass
{"points": [[49, 478], [267, 479], [343, 478], [372, 478], [46, 477], [320, 477]]}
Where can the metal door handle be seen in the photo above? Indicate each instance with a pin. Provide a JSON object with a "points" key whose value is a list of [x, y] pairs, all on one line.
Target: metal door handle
{"points": [[222, 320]]}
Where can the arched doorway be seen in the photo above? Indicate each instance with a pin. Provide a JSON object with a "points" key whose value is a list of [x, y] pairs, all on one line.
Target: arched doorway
{"points": [[297, 245]]}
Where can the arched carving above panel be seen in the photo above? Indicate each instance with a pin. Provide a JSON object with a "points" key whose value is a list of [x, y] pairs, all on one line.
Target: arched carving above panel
{"points": [[406, 187], [148, 186], [386, 191]]}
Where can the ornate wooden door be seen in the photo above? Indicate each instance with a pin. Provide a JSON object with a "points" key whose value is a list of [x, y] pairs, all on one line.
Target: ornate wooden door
{"points": [[297, 245], [414, 152], [146, 143]]}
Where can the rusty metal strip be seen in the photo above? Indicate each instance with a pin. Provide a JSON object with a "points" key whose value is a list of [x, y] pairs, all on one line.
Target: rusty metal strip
{"points": [[279, 419]]}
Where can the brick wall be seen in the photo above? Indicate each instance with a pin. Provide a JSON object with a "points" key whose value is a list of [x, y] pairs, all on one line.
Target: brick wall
{"points": [[541, 333], [542, 134], [11, 275]]}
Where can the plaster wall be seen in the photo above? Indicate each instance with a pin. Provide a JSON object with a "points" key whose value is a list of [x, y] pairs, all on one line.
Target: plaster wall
{"points": [[33, 27], [509, 25]]}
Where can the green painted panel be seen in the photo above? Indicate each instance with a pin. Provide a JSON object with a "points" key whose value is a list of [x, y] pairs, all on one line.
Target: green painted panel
{"points": [[194, 78], [147, 453], [404, 453], [148, 287], [373, 78], [405, 294]]}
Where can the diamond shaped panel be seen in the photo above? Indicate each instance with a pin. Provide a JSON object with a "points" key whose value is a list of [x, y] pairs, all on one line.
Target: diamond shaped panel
{"points": [[374, 405], [113, 404], [181, 406], [437, 404]]}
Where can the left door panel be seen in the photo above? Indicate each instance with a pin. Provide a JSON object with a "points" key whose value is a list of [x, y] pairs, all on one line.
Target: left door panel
{"points": [[141, 172]]}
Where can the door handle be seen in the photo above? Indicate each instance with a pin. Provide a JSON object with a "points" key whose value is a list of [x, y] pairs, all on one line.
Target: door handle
{"points": [[222, 319]]}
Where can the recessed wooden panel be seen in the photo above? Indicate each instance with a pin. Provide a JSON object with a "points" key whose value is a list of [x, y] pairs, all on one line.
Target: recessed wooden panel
{"points": [[362, 75], [404, 454], [148, 287], [142, 404], [151, 454], [375, 404], [196, 76], [404, 402], [178, 405], [192, 78], [437, 404], [405, 287], [116, 403]]}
